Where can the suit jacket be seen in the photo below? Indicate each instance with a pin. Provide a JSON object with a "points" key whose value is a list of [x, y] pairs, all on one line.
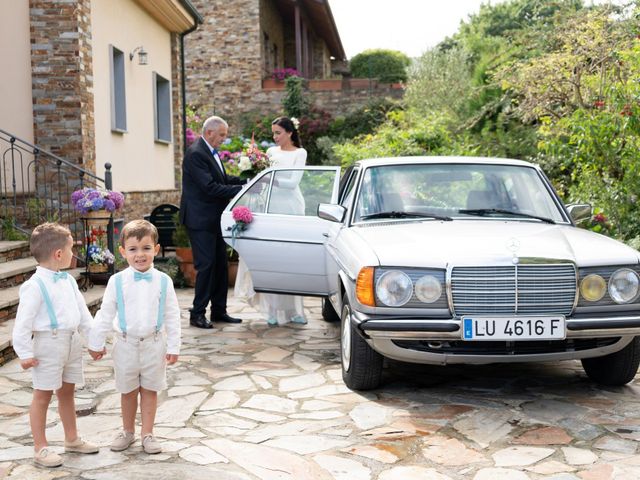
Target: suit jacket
{"points": [[206, 190]]}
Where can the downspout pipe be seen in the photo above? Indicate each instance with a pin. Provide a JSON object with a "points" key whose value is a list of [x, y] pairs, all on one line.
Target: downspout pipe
{"points": [[198, 19]]}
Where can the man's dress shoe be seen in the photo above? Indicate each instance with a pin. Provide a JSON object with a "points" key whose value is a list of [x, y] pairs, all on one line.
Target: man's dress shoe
{"points": [[225, 318], [200, 321]]}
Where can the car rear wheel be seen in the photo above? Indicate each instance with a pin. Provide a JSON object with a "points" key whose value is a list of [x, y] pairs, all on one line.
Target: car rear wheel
{"points": [[361, 365], [617, 368], [328, 312]]}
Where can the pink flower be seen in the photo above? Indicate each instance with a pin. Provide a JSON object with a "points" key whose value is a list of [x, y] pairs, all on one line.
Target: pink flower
{"points": [[242, 214]]}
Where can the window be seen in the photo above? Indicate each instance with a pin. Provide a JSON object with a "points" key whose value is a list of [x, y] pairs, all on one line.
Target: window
{"points": [[118, 97], [162, 108]]}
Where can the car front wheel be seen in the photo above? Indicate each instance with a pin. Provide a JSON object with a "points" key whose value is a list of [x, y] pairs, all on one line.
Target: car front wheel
{"points": [[361, 365], [328, 312], [615, 369]]}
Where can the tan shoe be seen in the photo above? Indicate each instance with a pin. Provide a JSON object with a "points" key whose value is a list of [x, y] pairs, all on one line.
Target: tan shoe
{"points": [[47, 458], [80, 446], [150, 444], [122, 441]]}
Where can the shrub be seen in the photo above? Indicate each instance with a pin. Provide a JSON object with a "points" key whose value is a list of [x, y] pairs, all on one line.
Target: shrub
{"points": [[258, 125], [295, 101], [363, 120], [385, 65]]}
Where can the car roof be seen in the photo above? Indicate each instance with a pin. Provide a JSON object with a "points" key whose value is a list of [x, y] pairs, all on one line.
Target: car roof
{"points": [[374, 162]]}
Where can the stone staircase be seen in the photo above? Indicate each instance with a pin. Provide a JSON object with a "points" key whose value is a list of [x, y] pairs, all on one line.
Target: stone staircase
{"points": [[16, 266]]}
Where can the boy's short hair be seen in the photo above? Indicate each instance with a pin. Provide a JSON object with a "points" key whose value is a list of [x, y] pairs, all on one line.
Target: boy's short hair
{"points": [[47, 238], [139, 229]]}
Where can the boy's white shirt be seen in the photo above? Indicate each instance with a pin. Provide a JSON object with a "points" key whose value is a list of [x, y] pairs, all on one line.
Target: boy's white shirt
{"points": [[68, 304], [141, 300]]}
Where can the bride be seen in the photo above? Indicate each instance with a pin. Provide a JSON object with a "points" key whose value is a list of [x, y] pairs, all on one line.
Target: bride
{"points": [[287, 199]]}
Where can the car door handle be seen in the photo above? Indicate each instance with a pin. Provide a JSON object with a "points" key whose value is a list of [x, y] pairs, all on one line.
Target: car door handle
{"points": [[325, 234]]}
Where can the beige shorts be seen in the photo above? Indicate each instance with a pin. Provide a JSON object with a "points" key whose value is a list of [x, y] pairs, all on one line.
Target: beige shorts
{"points": [[140, 362], [59, 359]]}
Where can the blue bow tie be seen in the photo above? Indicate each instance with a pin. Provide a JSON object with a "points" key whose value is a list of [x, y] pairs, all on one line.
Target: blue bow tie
{"points": [[59, 275], [137, 276]]}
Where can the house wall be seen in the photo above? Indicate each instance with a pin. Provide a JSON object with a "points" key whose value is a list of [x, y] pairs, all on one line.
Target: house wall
{"points": [[16, 114], [62, 80], [271, 25], [139, 163], [223, 57], [321, 59]]}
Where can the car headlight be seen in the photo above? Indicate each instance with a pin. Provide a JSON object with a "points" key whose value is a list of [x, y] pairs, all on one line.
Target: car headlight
{"points": [[593, 287], [394, 288], [624, 285], [428, 289]]}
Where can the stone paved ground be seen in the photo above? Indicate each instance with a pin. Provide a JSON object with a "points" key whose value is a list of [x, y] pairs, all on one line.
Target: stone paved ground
{"points": [[252, 402]]}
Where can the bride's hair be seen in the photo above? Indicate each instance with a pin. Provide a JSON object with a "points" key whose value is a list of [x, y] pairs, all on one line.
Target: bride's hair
{"points": [[288, 125]]}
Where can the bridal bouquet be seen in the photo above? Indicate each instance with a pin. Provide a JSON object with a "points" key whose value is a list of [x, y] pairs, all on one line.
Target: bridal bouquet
{"points": [[252, 161]]}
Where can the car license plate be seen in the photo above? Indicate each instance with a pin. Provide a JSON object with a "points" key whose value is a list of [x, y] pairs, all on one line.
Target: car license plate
{"points": [[513, 328]]}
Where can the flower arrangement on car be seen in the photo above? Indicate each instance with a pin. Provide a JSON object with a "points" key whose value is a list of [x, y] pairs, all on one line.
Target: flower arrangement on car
{"points": [[243, 217], [90, 199]]}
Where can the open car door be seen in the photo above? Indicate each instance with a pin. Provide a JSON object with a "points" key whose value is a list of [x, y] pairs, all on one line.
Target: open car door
{"points": [[283, 246]]}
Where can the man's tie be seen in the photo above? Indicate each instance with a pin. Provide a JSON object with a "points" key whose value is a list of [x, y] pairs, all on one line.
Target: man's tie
{"points": [[59, 275], [137, 276]]}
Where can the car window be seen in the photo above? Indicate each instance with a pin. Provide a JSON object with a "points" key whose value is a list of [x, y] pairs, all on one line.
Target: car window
{"points": [[255, 198], [349, 189], [451, 189], [298, 192]]}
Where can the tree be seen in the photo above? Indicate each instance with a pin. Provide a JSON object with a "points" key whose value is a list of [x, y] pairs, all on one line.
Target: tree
{"points": [[385, 65]]}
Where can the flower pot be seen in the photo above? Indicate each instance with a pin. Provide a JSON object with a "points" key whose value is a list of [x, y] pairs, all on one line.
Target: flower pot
{"points": [[98, 218], [326, 84], [98, 267], [185, 259], [272, 84]]}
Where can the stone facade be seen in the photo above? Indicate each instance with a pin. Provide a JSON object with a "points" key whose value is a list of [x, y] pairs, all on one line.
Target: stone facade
{"points": [[62, 79], [139, 204], [63, 101], [239, 45]]}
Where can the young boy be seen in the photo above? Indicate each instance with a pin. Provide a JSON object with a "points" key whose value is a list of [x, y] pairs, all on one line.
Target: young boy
{"points": [[141, 306], [45, 338]]}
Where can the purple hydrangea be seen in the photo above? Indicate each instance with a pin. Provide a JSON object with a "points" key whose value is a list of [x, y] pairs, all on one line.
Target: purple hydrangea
{"points": [[91, 199]]}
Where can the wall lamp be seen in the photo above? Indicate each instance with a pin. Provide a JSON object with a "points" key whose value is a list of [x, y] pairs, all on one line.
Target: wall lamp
{"points": [[142, 55]]}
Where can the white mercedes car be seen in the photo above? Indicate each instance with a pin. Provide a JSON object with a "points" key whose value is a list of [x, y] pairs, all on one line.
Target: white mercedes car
{"points": [[442, 260]]}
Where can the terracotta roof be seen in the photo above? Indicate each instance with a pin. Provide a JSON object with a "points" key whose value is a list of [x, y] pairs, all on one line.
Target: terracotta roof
{"points": [[319, 18]]}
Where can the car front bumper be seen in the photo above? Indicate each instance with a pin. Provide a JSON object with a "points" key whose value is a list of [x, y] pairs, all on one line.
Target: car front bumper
{"points": [[392, 338]]}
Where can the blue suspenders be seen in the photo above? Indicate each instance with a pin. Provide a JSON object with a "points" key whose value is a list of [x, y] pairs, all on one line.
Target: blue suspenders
{"points": [[53, 320], [120, 302]]}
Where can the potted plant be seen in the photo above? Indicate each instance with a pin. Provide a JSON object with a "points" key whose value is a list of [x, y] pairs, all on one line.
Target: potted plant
{"points": [[184, 254], [97, 205]]}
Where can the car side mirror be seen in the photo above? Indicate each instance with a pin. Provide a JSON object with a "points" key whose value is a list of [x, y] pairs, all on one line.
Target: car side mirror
{"points": [[331, 212], [579, 211]]}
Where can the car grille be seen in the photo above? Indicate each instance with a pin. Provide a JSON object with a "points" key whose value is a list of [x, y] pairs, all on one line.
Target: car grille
{"points": [[459, 347], [517, 289]]}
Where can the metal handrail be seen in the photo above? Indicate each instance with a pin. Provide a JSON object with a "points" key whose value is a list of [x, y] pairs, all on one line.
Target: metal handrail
{"points": [[36, 186]]}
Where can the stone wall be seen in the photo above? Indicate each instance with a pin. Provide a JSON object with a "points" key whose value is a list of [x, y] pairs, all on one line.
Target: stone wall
{"points": [[271, 24], [223, 57], [225, 67], [62, 82], [139, 204]]}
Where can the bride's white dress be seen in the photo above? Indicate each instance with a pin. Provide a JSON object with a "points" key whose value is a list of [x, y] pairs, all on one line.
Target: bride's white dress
{"points": [[285, 199]]}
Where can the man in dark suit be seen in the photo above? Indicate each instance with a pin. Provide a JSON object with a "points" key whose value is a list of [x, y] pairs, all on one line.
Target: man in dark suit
{"points": [[206, 191]]}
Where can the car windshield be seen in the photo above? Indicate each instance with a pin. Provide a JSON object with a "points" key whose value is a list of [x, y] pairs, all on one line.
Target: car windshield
{"points": [[443, 191]]}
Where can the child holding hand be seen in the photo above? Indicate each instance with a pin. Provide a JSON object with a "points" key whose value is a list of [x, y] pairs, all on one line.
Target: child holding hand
{"points": [[141, 307], [45, 337]]}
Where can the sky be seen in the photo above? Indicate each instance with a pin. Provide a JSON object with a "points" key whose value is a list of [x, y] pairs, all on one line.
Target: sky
{"points": [[411, 26]]}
